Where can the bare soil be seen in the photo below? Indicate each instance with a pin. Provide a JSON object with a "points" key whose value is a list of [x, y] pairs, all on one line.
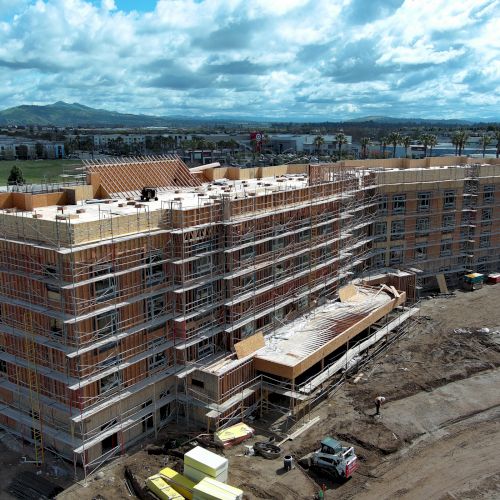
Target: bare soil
{"points": [[437, 437]]}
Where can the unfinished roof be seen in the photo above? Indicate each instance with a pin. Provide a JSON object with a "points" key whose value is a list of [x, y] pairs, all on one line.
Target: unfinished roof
{"points": [[291, 350], [125, 177]]}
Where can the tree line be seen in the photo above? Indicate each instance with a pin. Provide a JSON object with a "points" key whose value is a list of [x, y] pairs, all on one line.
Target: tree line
{"points": [[428, 141]]}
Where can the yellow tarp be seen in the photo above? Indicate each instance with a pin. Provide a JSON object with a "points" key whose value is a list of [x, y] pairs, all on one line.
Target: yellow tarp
{"points": [[210, 489], [180, 483], [473, 275], [238, 431], [162, 489]]}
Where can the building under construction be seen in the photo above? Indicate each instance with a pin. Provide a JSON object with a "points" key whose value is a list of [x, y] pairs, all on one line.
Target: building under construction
{"points": [[150, 292]]}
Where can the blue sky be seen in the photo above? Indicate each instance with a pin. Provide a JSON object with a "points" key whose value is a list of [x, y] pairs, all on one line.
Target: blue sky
{"points": [[281, 59]]}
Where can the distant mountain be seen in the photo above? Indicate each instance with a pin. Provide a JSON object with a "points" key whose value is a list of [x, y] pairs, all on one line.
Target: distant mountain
{"points": [[62, 114], [393, 120]]}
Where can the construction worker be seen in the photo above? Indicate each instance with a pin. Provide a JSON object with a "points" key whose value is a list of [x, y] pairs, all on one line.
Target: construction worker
{"points": [[379, 401], [287, 463]]}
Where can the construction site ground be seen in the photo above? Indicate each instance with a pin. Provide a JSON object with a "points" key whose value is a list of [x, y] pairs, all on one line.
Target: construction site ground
{"points": [[437, 437]]}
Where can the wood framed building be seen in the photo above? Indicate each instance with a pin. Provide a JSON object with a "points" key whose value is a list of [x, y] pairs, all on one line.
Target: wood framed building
{"points": [[119, 315]]}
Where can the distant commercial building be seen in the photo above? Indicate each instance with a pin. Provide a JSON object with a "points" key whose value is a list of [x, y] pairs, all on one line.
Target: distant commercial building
{"points": [[14, 148], [296, 143]]}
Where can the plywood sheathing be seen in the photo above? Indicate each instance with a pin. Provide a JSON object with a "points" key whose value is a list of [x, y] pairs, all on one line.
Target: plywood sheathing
{"points": [[347, 292], [75, 194], [442, 283], [29, 201], [121, 178], [235, 173], [249, 345]]}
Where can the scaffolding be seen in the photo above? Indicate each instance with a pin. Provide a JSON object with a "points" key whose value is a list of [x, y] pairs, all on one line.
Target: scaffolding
{"points": [[438, 220], [109, 316]]}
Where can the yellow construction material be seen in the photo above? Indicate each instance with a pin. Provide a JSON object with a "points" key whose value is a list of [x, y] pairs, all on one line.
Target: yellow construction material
{"points": [[234, 434], [162, 489], [210, 489], [180, 483]]}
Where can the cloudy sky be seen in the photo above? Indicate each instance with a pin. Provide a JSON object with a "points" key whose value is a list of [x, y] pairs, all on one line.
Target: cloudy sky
{"points": [[281, 59]]}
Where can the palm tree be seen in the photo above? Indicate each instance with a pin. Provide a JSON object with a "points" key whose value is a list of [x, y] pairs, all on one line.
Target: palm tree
{"points": [[485, 142], [455, 140], [233, 145], [201, 144], [341, 139], [365, 142], [318, 143], [432, 142], [424, 139], [497, 137], [170, 143], [463, 136], [265, 142], [384, 141], [406, 142], [394, 138], [211, 147]]}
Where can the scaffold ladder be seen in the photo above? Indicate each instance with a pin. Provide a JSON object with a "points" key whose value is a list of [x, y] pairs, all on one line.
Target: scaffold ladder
{"points": [[34, 390]]}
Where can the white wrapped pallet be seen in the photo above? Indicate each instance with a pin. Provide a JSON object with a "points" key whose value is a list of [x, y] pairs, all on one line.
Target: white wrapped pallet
{"points": [[200, 462], [197, 475]]}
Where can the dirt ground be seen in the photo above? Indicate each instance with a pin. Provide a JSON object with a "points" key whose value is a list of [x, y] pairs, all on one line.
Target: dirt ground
{"points": [[13, 454], [437, 437]]}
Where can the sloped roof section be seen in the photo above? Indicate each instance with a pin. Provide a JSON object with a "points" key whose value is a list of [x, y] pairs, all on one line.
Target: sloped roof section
{"points": [[123, 177]]}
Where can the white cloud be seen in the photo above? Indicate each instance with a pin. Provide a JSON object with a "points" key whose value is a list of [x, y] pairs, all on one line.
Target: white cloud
{"points": [[295, 58], [108, 5]]}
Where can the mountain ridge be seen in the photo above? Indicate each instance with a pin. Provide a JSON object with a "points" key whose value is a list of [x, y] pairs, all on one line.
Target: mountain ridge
{"points": [[63, 114]]}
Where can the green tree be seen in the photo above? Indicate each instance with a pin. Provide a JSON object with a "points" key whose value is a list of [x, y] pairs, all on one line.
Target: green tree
{"points": [[265, 142], [318, 143], [16, 176], [211, 147], [170, 142], [87, 143], [341, 140], [485, 142], [384, 141], [39, 150], [233, 146], [463, 137], [497, 137], [406, 142], [365, 142], [22, 152], [455, 140], [424, 140], [394, 139], [432, 143]]}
